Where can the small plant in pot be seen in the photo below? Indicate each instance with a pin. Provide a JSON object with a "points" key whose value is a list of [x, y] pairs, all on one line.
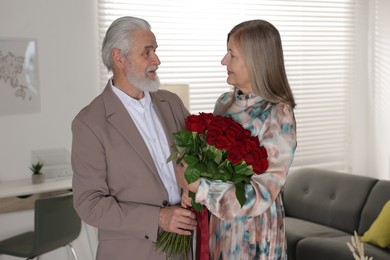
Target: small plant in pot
{"points": [[37, 176]]}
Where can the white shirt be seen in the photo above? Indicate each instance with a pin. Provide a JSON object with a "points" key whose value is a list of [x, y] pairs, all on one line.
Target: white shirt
{"points": [[149, 126]]}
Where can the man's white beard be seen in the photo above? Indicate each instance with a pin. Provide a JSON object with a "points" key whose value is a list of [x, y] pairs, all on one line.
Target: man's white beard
{"points": [[144, 83]]}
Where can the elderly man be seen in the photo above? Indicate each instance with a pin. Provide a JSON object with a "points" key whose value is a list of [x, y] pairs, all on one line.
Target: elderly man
{"points": [[122, 183]]}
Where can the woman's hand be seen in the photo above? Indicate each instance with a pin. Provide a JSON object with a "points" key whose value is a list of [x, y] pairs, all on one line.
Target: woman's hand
{"points": [[186, 200], [194, 186], [181, 180]]}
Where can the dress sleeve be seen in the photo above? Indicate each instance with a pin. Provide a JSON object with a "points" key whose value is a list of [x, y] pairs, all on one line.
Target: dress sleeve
{"points": [[278, 135]]}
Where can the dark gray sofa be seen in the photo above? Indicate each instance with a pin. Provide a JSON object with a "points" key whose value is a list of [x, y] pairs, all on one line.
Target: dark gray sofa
{"points": [[323, 208]]}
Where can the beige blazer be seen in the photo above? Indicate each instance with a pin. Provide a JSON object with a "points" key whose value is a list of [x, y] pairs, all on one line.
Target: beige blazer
{"points": [[116, 185]]}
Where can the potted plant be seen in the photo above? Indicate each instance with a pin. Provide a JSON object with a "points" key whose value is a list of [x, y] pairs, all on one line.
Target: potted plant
{"points": [[37, 176]]}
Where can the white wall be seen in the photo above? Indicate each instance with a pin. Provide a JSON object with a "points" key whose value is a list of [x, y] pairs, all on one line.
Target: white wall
{"points": [[68, 76], [66, 32]]}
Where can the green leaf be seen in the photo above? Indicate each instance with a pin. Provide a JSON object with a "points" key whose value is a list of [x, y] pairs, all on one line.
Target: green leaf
{"points": [[180, 138], [195, 205], [238, 178], [212, 169], [241, 168], [240, 193], [191, 174], [203, 170], [180, 159], [182, 149], [190, 160], [172, 156], [201, 167], [214, 154], [36, 167], [226, 166], [220, 156], [193, 142], [210, 155], [222, 175]]}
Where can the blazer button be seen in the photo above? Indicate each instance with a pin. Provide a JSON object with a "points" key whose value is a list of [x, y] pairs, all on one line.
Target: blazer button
{"points": [[165, 203], [146, 237]]}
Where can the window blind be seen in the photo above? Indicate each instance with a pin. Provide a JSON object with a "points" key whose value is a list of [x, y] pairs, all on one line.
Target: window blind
{"points": [[380, 66], [318, 42]]}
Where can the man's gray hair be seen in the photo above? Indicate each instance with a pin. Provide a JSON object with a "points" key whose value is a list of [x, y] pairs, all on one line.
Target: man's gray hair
{"points": [[119, 36]]}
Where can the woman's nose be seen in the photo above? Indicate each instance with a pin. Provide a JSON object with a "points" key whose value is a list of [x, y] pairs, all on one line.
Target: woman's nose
{"points": [[224, 60]]}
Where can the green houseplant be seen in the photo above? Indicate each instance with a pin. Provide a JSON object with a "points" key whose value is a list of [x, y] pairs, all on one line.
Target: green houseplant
{"points": [[37, 174]]}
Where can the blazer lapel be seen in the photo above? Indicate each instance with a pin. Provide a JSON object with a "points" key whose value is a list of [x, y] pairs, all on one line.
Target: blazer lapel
{"points": [[118, 116], [166, 114]]}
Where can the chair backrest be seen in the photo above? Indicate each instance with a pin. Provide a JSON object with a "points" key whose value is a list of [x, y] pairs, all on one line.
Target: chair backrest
{"points": [[56, 223]]}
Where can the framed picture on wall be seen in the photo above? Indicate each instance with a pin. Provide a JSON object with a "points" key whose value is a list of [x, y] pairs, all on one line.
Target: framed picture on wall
{"points": [[19, 84]]}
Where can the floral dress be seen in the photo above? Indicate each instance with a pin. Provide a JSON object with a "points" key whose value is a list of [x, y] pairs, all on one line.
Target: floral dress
{"points": [[255, 231]]}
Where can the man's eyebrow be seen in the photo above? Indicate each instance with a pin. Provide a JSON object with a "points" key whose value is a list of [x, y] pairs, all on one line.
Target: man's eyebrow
{"points": [[148, 47]]}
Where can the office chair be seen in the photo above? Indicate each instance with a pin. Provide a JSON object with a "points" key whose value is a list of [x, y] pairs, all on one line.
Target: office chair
{"points": [[56, 224]]}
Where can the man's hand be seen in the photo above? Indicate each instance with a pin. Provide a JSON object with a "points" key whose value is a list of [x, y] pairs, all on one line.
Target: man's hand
{"points": [[177, 220]]}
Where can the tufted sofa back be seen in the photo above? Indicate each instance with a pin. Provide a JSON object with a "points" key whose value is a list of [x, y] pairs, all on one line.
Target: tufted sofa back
{"points": [[329, 198]]}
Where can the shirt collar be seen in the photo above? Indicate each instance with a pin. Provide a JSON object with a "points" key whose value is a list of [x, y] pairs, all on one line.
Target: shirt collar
{"points": [[129, 101]]}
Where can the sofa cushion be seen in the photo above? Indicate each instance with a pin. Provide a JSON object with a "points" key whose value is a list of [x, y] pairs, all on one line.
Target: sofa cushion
{"points": [[325, 248], [379, 232], [326, 197], [297, 229], [379, 195]]}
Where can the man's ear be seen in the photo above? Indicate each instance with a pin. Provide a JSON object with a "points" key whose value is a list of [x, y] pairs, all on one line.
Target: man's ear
{"points": [[118, 58]]}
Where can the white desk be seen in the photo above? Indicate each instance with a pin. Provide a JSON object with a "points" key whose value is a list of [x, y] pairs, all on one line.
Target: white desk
{"points": [[25, 187], [21, 194]]}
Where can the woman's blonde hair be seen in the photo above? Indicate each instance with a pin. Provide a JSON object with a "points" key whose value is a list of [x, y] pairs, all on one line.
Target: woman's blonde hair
{"points": [[261, 46]]}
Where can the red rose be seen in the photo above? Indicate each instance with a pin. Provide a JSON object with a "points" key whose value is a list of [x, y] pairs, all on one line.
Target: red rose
{"points": [[224, 142], [206, 117], [236, 133], [263, 152], [219, 123], [234, 156], [199, 123], [213, 133], [258, 159], [193, 124], [261, 166], [211, 137], [247, 146], [252, 156], [216, 134], [239, 132], [216, 128]]}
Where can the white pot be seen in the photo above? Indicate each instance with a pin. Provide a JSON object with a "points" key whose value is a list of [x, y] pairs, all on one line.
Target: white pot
{"points": [[38, 178]]}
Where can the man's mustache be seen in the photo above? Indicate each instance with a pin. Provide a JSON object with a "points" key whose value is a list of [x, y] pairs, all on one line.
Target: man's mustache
{"points": [[151, 69]]}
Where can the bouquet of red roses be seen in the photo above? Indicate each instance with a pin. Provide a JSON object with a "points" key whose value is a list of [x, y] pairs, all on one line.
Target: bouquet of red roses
{"points": [[219, 148], [215, 148]]}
